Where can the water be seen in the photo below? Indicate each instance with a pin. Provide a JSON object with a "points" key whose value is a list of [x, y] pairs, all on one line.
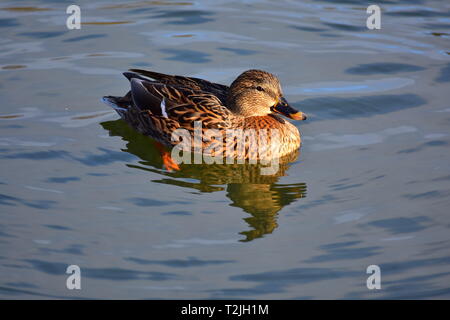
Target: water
{"points": [[370, 186]]}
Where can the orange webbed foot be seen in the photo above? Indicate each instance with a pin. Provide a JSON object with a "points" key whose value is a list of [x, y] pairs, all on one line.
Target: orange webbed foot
{"points": [[168, 162]]}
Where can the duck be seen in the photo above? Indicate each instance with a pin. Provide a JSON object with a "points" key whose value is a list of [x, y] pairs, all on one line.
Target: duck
{"points": [[261, 197], [162, 106]]}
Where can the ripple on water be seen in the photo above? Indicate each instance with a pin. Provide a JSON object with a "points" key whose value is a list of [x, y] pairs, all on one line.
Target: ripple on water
{"points": [[328, 141], [383, 68], [346, 87], [191, 56], [117, 274], [280, 280], [444, 74], [180, 263], [325, 108], [184, 17]]}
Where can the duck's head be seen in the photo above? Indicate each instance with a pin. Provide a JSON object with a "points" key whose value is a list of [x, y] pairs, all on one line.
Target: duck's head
{"points": [[258, 93]]}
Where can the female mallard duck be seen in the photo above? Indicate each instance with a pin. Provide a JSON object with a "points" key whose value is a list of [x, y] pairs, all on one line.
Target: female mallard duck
{"points": [[252, 103]]}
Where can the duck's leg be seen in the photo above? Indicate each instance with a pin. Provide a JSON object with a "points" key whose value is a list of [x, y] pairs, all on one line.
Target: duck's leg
{"points": [[169, 163]]}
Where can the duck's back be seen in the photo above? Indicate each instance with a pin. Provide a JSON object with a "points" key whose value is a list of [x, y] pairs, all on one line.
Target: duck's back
{"points": [[158, 108]]}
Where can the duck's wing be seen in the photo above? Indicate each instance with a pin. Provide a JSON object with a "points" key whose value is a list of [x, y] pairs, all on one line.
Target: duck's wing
{"points": [[183, 105], [157, 109], [203, 108], [217, 89]]}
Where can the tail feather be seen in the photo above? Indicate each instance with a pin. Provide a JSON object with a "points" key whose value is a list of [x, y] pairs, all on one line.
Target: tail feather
{"points": [[143, 99], [120, 104], [113, 103], [151, 74], [133, 75]]}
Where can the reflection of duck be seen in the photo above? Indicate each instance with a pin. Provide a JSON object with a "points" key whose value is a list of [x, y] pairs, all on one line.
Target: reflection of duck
{"points": [[253, 102], [259, 195], [263, 202]]}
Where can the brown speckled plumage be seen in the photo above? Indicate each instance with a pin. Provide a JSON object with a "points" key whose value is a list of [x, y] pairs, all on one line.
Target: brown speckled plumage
{"points": [[253, 101]]}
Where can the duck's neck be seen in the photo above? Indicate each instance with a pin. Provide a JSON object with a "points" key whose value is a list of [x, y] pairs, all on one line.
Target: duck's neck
{"points": [[242, 107]]}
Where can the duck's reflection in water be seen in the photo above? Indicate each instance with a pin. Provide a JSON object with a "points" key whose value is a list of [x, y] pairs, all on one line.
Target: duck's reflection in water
{"points": [[259, 195]]}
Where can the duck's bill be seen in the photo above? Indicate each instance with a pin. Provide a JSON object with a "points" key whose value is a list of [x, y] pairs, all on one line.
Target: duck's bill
{"points": [[285, 109]]}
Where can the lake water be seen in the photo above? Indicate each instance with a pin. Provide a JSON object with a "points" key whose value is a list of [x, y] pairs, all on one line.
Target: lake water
{"points": [[371, 185]]}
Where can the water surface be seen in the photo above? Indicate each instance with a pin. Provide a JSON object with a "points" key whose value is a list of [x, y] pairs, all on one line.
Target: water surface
{"points": [[370, 186]]}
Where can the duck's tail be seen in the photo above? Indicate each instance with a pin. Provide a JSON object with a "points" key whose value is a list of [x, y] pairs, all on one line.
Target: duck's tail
{"points": [[113, 102], [120, 104]]}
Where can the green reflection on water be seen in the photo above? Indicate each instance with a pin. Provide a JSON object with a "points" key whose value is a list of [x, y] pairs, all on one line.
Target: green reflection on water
{"points": [[259, 195]]}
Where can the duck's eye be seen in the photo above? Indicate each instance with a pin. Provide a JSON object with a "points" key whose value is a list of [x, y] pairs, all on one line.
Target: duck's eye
{"points": [[259, 88]]}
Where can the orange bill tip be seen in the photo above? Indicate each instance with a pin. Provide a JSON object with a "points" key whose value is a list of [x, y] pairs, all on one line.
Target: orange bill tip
{"points": [[298, 116]]}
